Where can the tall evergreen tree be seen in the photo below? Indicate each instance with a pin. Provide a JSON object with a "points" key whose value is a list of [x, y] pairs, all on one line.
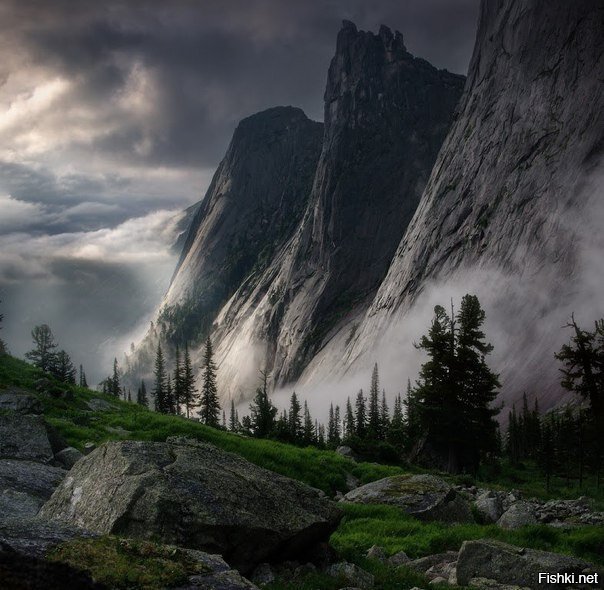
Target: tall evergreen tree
{"points": [[263, 412], [373, 422], [114, 384], [308, 428], [295, 418], [189, 391], [62, 368], [456, 387], [233, 419], [349, 421], [384, 416], [178, 381], [210, 407], [337, 427], [82, 381], [361, 416], [160, 391], [141, 396], [44, 353]]}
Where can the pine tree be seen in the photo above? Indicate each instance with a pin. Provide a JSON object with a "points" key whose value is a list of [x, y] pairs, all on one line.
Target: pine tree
{"points": [[114, 384], [396, 429], [308, 428], [233, 419], [295, 419], [82, 381], [179, 382], [141, 396], [373, 422], [456, 387], [384, 416], [360, 416], [263, 412], [43, 355], [161, 383], [331, 426], [337, 427], [62, 368], [189, 391], [349, 421], [170, 401], [210, 407]]}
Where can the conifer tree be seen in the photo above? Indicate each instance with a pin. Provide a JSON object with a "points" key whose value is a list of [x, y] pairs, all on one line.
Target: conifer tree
{"points": [[82, 381], [396, 429], [308, 428], [361, 416], [141, 396], [349, 421], [263, 412], [233, 420], [161, 383], [373, 422], [210, 407], [189, 391], [170, 401], [114, 385], [179, 382], [384, 416], [337, 427], [295, 419], [43, 355], [62, 368]]}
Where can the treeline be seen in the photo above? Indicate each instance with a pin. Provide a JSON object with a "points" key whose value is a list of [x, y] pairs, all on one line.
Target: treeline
{"points": [[46, 356], [568, 442]]}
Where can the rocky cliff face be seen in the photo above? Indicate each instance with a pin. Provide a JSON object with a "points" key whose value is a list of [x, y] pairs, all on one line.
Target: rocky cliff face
{"points": [[512, 209], [386, 115]]}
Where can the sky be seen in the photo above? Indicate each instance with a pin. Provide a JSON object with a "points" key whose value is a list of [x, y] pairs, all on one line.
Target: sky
{"points": [[113, 118]]}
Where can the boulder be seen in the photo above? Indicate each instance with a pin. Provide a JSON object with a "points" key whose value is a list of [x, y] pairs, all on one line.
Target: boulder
{"points": [[96, 404], [263, 574], [426, 497], [400, 558], [19, 401], [68, 457], [376, 552], [24, 437], [519, 514], [352, 574], [489, 507], [506, 564], [192, 494], [486, 584], [346, 452], [25, 486], [436, 561]]}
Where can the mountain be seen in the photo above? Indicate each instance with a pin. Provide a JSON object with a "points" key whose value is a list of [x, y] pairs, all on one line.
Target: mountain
{"points": [[513, 208], [386, 115]]}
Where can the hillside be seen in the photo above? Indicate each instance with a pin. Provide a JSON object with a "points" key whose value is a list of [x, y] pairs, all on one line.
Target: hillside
{"points": [[69, 410]]}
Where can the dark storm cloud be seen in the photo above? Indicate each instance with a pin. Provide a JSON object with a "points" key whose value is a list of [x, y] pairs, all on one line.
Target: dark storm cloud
{"points": [[216, 62]]}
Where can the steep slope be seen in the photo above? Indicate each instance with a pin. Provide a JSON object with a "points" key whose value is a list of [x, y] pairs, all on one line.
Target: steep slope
{"points": [[513, 208], [386, 115]]}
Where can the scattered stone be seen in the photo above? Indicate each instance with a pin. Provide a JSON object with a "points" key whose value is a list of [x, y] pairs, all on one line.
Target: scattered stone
{"points": [[346, 452], [506, 564], [423, 564], [444, 569], [376, 552], [518, 515], [489, 507], [304, 570], [89, 447], [42, 384], [438, 580], [19, 401], [263, 574], [486, 584], [353, 575], [24, 437], [194, 495], [400, 558], [426, 497], [68, 457], [96, 404], [352, 482]]}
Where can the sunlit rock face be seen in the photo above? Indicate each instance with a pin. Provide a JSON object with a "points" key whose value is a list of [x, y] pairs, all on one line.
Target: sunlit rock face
{"points": [[513, 208], [386, 116]]}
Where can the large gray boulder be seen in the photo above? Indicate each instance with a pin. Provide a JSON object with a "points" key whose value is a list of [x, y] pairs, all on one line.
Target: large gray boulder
{"points": [[519, 514], [25, 486], [426, 497], [489, 506], [25, 438], [17, 400], [194, 495], [506, 564]]}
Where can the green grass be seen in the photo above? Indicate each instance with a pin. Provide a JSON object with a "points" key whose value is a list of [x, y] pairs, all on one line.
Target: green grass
{"points": [[392, 529], [325, 470], [127, 564]]}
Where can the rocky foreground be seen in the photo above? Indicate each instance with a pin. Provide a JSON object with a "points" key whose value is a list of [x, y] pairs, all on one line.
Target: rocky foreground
{"points": [[215, 518]]}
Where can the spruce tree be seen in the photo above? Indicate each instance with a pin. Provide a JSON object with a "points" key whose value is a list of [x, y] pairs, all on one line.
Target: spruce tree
{"points": [[396, 429], [161, 383], [295, 419], [384, 416], [141, 396], [43, 355], [308, 428], [189, 391], [233, 420], [349, 421], [263, 412], [373, 422], [360, 416], [114, 385], [337, 427], [82, 381], [178, 381], [62, 368], [210, 407]]}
